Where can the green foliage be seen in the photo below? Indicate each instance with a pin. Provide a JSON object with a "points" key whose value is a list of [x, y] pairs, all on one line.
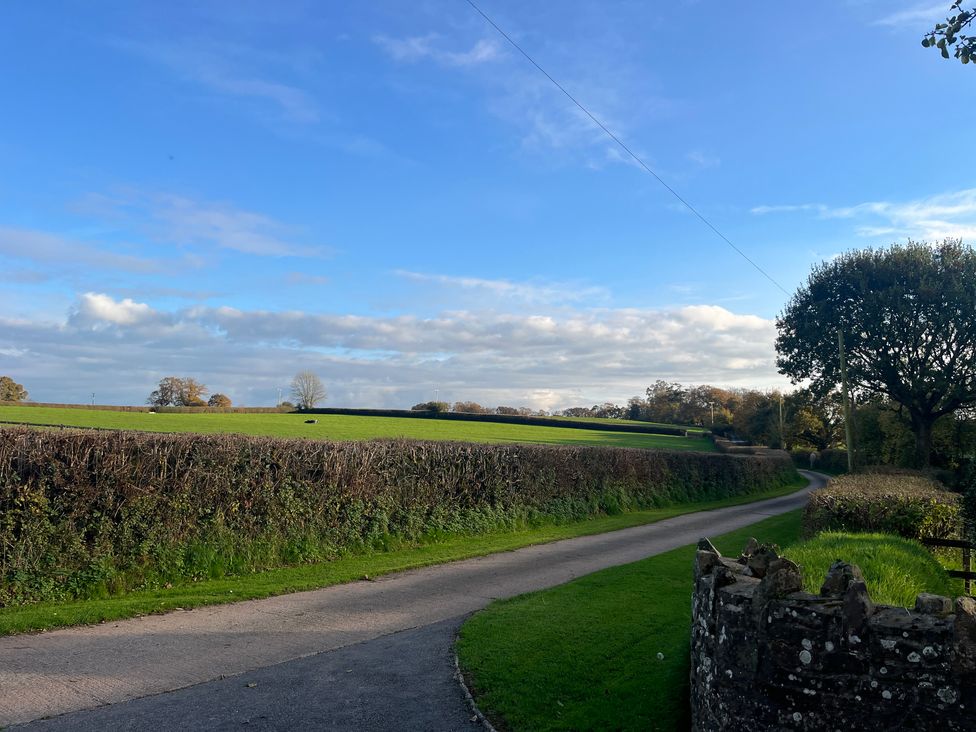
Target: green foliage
{"points": [[908, 315], [895, 570], [174, 391], [911, 506], [828, 461], [431, 407], [397, 555], [82, 513], [584, 655], [219, 400], [11, 391], [343, 424], [966, 485], [950, 34]]}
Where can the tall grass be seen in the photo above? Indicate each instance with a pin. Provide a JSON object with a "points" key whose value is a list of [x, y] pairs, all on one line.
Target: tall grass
{"points": [[895, 570]]}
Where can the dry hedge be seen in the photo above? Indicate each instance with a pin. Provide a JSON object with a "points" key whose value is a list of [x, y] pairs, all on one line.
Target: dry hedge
{"points": [[911, 506], [85, 512]]}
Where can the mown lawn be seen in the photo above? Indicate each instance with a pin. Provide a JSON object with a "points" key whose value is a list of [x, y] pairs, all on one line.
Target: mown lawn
{"points": [[347, 427], [343, 569], [606, 651]]}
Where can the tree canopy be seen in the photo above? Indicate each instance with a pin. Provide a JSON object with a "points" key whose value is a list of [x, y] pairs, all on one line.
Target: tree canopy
{"points": [[307, 390], [11, 391], [908, 315], [174, 391], [219, 400], [949, 35]]}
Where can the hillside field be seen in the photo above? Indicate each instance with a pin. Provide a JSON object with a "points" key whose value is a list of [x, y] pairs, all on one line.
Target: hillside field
{"points": [[346, 427]]}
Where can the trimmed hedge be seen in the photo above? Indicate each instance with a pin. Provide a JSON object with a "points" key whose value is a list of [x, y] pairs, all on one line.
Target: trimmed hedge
{"points": [[911, 506], [90, 513]]}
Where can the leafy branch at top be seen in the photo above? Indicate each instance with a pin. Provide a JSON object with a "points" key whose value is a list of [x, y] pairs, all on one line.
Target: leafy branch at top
{"points": [[950, 34]]}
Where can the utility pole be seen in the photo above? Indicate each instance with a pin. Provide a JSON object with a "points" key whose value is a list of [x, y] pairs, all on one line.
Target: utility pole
{"points": [[848, 432], [93, 399], [782, 431]]}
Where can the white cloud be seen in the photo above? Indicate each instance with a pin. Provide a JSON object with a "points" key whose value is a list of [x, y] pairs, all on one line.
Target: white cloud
{"points": [[185, 221], [120, 348], [789, 208], [225, 69], [304, 278], [703, 160], [617, 91], [418, 48], [98, 309], [527, 292], [65, 252], [919, 17], [951, 214]]}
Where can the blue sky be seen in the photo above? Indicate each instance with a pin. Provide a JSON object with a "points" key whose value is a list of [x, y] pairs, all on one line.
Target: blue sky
{"points": [[388, 194]]}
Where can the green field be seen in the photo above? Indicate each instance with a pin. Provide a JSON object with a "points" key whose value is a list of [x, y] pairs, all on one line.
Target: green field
{"points": [[346, 427], [606, 651]]}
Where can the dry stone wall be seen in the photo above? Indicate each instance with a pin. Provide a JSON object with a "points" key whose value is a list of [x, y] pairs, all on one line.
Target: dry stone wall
{"points": [[767, 656]]}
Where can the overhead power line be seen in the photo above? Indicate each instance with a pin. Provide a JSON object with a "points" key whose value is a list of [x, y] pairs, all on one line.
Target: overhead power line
{"points": [[624, 147]]}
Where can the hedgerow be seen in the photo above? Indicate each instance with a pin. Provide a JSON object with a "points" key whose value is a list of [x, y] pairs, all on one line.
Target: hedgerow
{"points": [[831, 460], [912, 506], [86, 514]]}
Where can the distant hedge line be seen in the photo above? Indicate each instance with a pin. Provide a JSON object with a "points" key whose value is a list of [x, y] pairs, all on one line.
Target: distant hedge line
{"points": [[163, 410], [647, 429], [89, 513]]}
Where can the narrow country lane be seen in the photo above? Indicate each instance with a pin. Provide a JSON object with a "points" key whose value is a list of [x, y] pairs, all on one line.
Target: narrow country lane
{"points": [[366, 655]]}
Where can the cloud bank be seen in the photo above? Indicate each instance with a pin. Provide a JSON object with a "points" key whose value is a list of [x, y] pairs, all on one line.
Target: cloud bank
{"points": [[120, 348], [949, 214]]}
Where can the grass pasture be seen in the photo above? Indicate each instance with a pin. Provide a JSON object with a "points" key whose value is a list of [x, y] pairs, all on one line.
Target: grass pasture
{"points": [[606, 651], [346, 427]]}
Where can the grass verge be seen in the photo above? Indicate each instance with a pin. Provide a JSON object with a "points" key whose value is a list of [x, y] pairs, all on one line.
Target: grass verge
{"points": [[895, 569], [44, 616], [607, 651]]}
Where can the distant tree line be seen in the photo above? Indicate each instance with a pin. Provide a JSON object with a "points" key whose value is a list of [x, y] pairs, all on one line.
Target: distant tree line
{"points": [[175, 391], [475, 408]]}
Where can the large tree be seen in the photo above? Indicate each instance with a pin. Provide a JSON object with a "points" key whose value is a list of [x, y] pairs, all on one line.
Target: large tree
{"points": [[908, 317], [11, 391], [219, 400], [307, 389]]}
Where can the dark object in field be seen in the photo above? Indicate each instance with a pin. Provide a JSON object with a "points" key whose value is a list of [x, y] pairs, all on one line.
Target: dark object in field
{"points": [[311, 421]]}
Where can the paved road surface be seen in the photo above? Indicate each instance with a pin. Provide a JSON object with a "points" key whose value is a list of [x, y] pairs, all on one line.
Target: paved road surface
{"points": [[365, 655]]}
